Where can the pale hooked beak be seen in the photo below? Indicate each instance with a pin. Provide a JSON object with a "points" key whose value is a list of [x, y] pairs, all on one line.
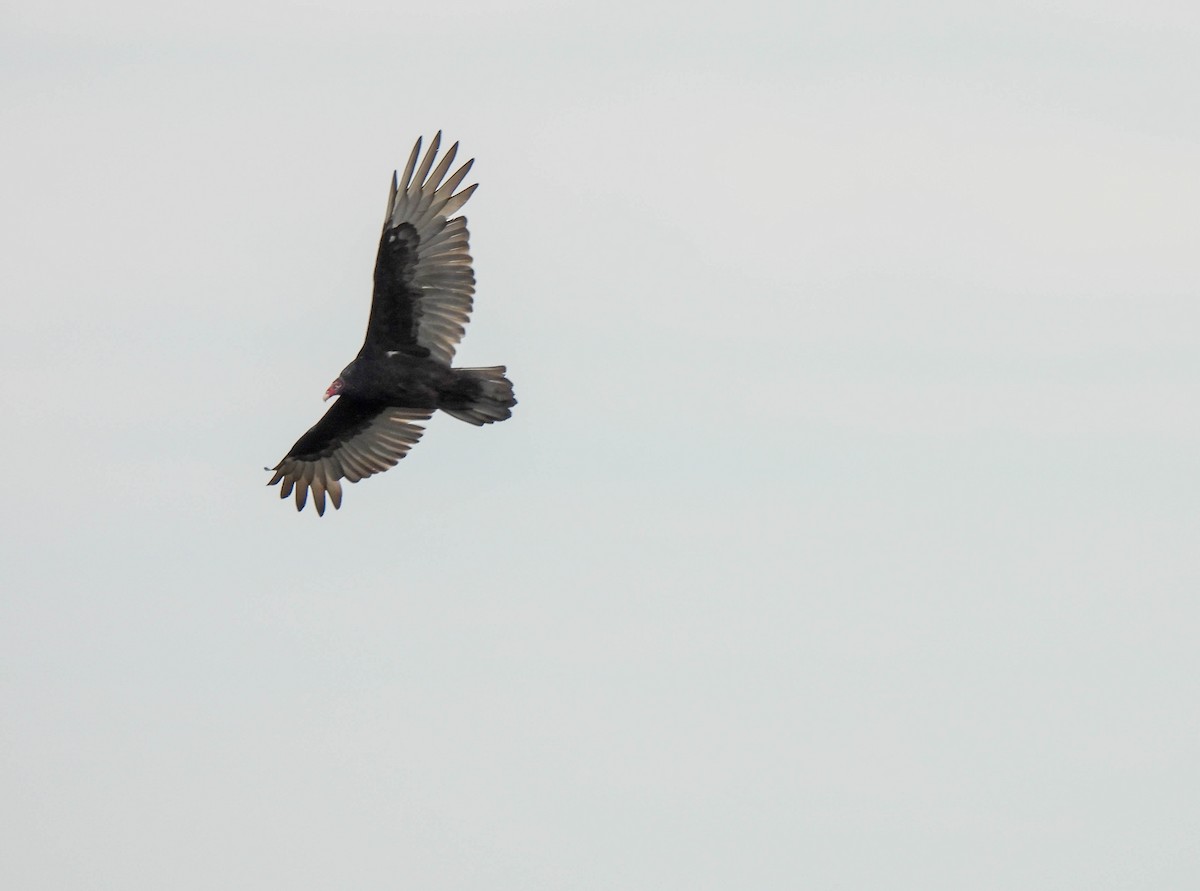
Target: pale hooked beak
{"points": [[334, 389]]}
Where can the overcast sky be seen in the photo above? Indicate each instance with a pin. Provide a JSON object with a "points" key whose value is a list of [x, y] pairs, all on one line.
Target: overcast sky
{"points": [[845, 535]]}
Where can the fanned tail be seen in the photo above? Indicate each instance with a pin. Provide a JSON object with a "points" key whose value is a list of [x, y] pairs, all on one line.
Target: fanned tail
{"points": [[480, 396]]}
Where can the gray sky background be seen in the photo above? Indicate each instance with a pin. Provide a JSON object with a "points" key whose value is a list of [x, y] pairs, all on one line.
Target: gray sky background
{"points": [[845, 535]]}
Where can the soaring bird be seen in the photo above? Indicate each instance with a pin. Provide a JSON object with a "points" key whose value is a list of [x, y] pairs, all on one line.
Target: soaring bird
{"points": [[424, 287]]}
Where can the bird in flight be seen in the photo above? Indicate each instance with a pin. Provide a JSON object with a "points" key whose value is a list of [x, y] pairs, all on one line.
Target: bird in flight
{"points": [[424, 287]]}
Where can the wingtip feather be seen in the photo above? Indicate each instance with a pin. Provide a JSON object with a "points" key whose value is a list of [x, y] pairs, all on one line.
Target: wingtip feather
{"points": [[427, 161], [412, 163]]}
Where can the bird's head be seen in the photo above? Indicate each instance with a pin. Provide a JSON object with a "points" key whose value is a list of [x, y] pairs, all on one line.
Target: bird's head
{"points": [[344, 382]]}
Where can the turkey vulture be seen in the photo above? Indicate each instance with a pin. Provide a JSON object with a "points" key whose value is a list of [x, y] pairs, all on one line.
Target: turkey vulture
{"points": [[402, 374]]}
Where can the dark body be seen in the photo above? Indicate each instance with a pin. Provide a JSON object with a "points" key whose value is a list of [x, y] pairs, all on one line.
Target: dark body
{"points": [[401, 379], [424, 287]]}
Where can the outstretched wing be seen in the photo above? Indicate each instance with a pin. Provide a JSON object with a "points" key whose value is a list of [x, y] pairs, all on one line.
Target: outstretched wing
{"points": [[354, 440], [424, 285]]}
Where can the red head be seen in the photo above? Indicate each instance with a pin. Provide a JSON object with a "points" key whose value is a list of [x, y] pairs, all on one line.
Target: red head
{"points": [[334, 388]]}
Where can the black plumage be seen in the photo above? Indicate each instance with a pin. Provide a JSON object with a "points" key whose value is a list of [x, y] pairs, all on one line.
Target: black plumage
{"points": [[424, 288]]}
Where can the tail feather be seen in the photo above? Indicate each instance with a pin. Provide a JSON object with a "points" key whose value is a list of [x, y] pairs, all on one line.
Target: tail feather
{"points": [[488, 396]]}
